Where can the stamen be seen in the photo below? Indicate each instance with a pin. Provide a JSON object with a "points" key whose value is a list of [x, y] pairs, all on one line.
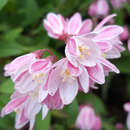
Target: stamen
{"points": [[38, 77], [103, 55]]}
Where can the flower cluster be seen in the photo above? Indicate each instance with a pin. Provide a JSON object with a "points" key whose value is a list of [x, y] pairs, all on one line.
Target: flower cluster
{"points": [[46, 83]]}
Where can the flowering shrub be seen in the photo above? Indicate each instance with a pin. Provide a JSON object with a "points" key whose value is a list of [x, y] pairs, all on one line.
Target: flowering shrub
{"points": [[46, 81]]}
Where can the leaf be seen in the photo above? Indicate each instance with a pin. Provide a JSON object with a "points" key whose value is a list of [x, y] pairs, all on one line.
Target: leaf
{"points": [[3, 3], [10, 49], [12, 35], [31, 12], [72, 111], [124, 65], [43, 124], [58, 127], [93, 100], [6, 86]]}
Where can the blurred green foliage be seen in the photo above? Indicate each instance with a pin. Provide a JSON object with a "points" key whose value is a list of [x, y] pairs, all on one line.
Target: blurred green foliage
{"points": [[21, 31]]}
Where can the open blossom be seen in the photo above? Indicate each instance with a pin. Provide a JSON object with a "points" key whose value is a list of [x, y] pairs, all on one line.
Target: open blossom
{"points": [[99, 8], [127, 109], [60, 28], [67, 79], [87, 119]]}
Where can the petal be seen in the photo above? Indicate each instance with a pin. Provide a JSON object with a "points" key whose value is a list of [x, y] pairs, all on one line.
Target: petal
{"points": [[49, 29], [109, 65], [74, 24], [113, 53], [104, 46], [40, 65], [84, 80], [96, 73], [32, 108], [20, 120], [13, 105], [75, 71], [68, 91], [55, 23], [44, 111], [42, 94], [108, 32], [86, 27], [104, 21], [32, 122], [21, 61], [54, 80]]}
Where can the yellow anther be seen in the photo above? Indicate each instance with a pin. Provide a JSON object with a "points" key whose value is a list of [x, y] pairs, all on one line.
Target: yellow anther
{"points": [[87, 53], [38, 77], [81, 56], [33, 95], [103, 55], [80, 49], [67, 72]]}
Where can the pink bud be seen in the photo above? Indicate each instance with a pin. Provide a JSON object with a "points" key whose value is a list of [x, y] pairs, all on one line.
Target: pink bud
{"points": [[87, 119], [124, 36], [119, 126], [102, 7], [99, 8], [92, 9]]}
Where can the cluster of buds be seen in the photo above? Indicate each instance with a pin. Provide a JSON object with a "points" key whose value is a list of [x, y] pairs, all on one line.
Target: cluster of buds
{"points": [[46, 83]]}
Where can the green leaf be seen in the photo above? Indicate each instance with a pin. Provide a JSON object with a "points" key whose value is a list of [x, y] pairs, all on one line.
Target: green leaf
{"points": [[93, 100], [3, 3], [31, 12], [72, 111], [124, 65], [6, 86], [43, 124], [10, 49], [12, 35], [58, 127]]}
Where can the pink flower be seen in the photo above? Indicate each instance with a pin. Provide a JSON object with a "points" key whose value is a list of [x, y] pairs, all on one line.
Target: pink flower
{"points": [[19, 65], [66, 78], [87, 119], [119, 126], [26, 107], [99, 8], [118, 3], [109, 37], [124, 36], [127, 109], [60, 28]]}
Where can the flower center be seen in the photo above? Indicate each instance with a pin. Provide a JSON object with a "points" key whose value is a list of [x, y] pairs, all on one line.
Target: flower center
{"points": [[84, 51], [103, 55], [38, 77], [33, 94], [67, 76]]}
